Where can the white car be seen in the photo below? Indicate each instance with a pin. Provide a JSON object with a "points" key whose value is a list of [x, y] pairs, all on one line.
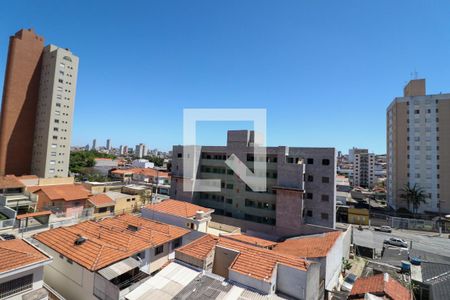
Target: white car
{"points": [[384, 228], [396, 242], [348, 283]]}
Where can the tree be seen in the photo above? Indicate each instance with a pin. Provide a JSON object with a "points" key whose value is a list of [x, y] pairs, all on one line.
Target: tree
{"points": [[414, 196], [346, 265]]}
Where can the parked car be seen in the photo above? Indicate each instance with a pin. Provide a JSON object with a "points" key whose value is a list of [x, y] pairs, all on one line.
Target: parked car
{"points": [[384, 228], [348, 283], [396, 242], [7, 236]]}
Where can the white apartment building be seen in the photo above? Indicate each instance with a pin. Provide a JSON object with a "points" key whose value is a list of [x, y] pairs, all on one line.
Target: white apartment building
{"points": [[140, 150], [53, 130]]}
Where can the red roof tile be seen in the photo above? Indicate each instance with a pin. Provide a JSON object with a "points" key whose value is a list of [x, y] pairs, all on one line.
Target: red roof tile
{"points": [[144, 171], [108, 241], [15, 254], [34, 214], [251, 261], [101, 200], [249, 240], [9, 182], [66, 192], [315, 246], [378, 286], [177, 208]]}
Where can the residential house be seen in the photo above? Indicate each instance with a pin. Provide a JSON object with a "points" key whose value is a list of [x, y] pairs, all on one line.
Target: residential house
{"points": [[265, 271], [125, 203], [109, 258], [67, 199], [13, 194], [102, 204], [431, 280], [21, 270], [326, 249], [382, 286]]}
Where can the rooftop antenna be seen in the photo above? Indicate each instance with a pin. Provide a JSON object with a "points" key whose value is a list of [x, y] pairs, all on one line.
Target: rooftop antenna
{"points": [[414, 75]]}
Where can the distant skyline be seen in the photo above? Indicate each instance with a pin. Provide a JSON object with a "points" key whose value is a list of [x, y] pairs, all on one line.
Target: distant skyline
{"points": [[324, 70]]}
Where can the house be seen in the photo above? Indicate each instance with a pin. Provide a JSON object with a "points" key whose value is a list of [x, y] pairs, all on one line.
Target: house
{"points": [[262, 270], [326, 249], [21, 270], [13, 194], [251, 240], [102, 204], [148, 175], [125, 203], [381, 285], [67, 199], [109, 258], [179, 213], [358, 216], [431, 280]]}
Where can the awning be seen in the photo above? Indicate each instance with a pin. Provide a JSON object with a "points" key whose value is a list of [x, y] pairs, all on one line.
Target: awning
{"points": [[119, 268]]}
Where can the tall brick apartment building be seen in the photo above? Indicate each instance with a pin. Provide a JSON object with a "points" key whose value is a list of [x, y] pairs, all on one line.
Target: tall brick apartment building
{"points": [[301, 185]]}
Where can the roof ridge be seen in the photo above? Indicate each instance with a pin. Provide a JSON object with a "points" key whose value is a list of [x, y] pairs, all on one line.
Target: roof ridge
{"points": [[19, 251]]}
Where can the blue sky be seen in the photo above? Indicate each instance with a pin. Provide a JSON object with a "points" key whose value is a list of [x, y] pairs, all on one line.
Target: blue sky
{"points": [[324, 70]]}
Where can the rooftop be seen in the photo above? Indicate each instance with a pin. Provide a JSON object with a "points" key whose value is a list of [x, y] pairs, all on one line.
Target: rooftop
{"points": [[244, 262], [309, 246], [144, 171], [101, 200], [110, 240], [379, 286], [66, 192], [249, 240], [178, 208], [16, 254], [10, 182]]}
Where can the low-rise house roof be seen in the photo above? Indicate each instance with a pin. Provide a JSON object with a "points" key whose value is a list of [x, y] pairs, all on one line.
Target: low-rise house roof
{"points": [[247, 239], [34, 214], [66, 192], [117, 195], [379, 285], [16, 254], [309, 247], [101, 200], [108, 241], [251, 261], [10, 182], [143, 171], [178, 208]]}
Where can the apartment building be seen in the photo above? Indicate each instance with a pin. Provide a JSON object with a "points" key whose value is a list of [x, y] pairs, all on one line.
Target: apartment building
{"points": [[140, 150], [53, 129], [37, 107], [20, 100], [418, 147], [364, 169], [300, 188], [107, 259]]}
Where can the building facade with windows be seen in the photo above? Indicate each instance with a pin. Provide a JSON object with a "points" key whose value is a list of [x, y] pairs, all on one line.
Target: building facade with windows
{"points": [[53, 129], [364, 169], [301, 185], [418, 147]]}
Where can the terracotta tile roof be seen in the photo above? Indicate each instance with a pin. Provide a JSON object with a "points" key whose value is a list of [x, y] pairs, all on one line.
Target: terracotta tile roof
{"points": [[250, 240], [252, 261], [16, 254], [101, 200], [108, 241], [177, 208], [66, 192], [315, 246], [27, 177], [9, 182], [144, 171], [33, 214], [378, 286]]}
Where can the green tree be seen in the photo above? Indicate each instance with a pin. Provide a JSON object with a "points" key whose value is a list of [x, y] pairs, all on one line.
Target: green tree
{"points": [[346, 265], [158, 161], [414, 196]]}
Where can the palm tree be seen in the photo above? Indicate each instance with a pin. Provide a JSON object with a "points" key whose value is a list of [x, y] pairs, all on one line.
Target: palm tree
{"points": [[414, 196]]}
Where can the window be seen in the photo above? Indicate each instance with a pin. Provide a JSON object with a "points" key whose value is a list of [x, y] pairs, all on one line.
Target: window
{"points": [[60, 81], [310, 161], [179, 155], [417, 111], [310, 178], [54, 145], [229, 186], [55, 137], [176, 243], [58, 104], [62, 65], [325, 179], [325, 198], [325, 162], [15, 286], [159, 250], [324, 216], [309, 213], [309, 196], [229, 201]]}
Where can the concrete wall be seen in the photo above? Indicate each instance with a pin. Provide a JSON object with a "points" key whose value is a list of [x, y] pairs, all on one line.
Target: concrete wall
{"points": [[291, 281], [265, 287], [165, 218], [223, 258], [334, 264], [69, 279], [38, 281]]}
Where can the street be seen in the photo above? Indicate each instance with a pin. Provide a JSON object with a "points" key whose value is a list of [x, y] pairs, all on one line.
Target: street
{"points": [[421, 241]]}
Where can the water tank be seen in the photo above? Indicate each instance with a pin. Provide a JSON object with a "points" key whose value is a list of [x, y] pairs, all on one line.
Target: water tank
{"points": [[406, 266], [415, 261], [199, 215]]}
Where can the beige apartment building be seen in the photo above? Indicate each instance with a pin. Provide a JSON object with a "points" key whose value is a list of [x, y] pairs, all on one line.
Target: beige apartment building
{"points": [[54, 117], [364, 169], [418, 147]]}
